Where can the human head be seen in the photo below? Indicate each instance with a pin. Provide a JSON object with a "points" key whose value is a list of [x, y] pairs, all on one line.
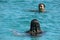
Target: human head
{"points": [[34, 25], [41, 7]]}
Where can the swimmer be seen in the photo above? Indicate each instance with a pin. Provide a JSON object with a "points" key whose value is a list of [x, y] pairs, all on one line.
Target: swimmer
{"points": [[34, 28], [41, 7]]}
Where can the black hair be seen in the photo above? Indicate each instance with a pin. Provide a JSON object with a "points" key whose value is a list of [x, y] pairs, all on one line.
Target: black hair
{"points": [[41, 4], [34, 25]]}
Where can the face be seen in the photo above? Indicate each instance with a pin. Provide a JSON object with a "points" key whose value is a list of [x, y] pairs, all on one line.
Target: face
{"points": [[42, 7]]}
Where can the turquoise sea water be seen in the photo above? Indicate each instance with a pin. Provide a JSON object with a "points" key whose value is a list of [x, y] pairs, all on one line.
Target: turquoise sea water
{"points": [[15, 18]]}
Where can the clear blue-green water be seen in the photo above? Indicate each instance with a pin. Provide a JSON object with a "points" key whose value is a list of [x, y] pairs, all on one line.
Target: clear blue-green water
{"points": [[15, 16]]}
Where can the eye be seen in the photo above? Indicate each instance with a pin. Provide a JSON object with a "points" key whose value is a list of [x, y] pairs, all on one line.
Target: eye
{"points": [[40, 6]]}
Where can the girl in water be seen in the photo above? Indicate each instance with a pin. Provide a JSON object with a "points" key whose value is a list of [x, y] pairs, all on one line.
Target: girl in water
{"points": [[34, 28]]}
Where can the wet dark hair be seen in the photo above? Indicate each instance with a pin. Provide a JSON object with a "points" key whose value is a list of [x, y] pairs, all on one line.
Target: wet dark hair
{"points": [[34, 28], [41, 4], [34, 25]]}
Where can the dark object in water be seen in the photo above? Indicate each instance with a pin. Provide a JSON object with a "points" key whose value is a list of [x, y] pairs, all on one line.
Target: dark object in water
{"points": [[34, 28]]}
